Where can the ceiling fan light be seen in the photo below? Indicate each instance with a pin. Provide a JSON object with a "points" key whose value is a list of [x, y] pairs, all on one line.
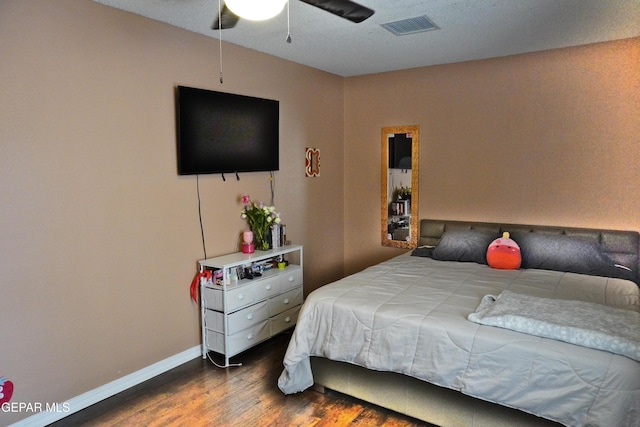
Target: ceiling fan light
{"points": [[256, 10]]}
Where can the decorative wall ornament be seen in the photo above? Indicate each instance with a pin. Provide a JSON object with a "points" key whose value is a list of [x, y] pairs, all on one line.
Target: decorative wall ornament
{"points": [[312, 162]]}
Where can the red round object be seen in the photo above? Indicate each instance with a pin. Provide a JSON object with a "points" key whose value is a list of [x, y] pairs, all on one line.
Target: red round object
{"points": [[504, 254]]}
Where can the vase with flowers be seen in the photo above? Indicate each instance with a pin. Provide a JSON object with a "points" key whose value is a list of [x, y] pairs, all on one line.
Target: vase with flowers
{"points": [[403, 193], [261, 219]]}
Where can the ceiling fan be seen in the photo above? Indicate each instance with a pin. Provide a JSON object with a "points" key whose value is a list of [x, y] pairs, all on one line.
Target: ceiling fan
{"points": [[343, 8]]}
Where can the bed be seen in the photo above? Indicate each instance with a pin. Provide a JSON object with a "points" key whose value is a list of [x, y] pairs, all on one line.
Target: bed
{"points": [[399, 334]]}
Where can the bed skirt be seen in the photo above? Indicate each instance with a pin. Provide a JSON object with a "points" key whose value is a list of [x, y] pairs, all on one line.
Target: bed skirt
{"points": [[418, 399]]}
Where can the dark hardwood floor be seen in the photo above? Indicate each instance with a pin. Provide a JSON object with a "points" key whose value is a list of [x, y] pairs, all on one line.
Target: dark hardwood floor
{"points": [[200, 394]]}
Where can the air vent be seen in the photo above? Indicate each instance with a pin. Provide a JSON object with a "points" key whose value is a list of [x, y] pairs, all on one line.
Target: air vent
{"points": [[410, 26]]}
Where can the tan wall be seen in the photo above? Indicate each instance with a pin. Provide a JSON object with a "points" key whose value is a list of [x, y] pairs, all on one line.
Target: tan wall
{"points": [[546, 138], [99, 236]]}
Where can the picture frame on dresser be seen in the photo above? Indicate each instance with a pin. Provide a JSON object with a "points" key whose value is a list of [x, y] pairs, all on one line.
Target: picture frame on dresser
{"points": [[240, 311]]}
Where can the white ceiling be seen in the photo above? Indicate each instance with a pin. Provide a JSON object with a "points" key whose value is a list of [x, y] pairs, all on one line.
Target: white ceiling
{"points": [[469, 29]]}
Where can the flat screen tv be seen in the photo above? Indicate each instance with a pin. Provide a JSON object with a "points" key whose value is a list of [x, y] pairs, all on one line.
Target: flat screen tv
{"points": [[224, 133], [400, 151]]}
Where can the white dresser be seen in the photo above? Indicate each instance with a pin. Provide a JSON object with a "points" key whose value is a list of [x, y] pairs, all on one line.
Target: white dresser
{"points": [[238, 313]]}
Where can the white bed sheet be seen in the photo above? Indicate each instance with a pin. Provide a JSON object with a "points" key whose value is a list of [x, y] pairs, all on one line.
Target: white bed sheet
{"points": [[409, 315]]}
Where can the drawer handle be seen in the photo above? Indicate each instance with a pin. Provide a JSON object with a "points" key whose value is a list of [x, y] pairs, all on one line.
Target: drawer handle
{"points": [[250, 337], [287, 319], [286, 301], [249, 316], [241, 296], [268, 287], [291, 278]]}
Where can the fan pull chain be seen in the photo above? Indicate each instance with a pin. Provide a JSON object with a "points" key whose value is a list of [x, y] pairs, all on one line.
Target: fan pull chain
{"points": [[288, 25], [220, 36]]}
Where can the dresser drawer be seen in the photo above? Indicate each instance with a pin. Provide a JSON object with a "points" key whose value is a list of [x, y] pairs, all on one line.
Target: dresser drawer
{"points": [[284, 320], [239, 320], [239, 341], [236, 298], [266, 288], [285, 301], [247, 317], [214, 320], [290, 278]]}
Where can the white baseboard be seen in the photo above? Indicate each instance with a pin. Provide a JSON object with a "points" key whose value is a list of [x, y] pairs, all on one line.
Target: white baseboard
{"points": [[91, 397]]}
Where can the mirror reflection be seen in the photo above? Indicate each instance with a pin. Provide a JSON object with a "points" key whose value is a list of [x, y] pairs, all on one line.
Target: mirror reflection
{"points": [[400, 186]]}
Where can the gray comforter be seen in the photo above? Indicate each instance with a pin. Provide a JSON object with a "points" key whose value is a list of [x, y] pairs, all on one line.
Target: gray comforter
{"points": [[409, 315]]}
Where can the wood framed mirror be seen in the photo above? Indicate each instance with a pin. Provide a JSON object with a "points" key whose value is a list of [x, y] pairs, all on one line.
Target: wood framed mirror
{"points": [[399, 190]]}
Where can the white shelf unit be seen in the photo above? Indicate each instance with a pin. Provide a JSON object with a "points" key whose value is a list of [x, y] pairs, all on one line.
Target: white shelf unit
{"points": [[240, 313]]}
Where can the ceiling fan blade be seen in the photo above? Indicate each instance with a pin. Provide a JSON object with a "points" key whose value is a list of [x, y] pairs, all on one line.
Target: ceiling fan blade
{"points": [[344, 8], [227, 19]]}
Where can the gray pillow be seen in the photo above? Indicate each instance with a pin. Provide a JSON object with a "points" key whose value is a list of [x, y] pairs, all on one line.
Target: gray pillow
{"points": [[423, 251], [464, 245], [566, 253]]}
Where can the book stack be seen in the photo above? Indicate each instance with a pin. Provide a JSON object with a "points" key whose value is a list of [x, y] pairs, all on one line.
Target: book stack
{"points": [[278, 236], [400, 208]]}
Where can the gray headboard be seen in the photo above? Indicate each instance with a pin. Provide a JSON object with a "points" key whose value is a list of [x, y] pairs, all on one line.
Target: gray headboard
{"points": [[623, 247]]}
